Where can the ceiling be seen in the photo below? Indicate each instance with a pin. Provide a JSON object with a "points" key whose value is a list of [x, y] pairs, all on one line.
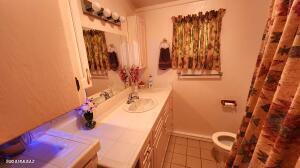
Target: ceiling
{"points": [[143, 3]]}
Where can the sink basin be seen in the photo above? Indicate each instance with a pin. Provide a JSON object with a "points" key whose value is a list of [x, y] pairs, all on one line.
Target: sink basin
{"points": [[139, 106]]}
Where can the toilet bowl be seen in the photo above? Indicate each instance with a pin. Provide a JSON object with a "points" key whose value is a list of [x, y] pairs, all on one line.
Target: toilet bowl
{"points": [[223, 142]]}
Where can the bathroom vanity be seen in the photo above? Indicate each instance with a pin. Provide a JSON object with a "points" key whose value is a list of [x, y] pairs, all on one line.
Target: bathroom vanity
{"points": [[155, 146], [129, 139]]}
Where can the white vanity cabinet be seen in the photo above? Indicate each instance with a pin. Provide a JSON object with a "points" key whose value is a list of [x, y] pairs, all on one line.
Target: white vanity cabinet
{"points": [[154, 150], [137, 41], [161, 134], [146, 154], [37, 73]]}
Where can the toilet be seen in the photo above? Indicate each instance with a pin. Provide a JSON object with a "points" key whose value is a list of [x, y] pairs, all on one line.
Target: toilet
{"points": [[223, 142]]}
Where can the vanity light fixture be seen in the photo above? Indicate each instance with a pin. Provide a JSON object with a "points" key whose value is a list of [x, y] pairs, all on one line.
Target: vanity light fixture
{"points": [[96, 6], [94, 9], [107, 13], [115, 16], [88, 6], [122, 19]]}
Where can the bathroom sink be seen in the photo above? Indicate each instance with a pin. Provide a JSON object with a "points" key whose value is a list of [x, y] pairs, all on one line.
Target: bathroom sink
{"points": [[140, 105]]}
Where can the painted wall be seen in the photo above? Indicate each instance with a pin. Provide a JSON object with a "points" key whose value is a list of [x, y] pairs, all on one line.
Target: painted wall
{"points": [[197, 108]]}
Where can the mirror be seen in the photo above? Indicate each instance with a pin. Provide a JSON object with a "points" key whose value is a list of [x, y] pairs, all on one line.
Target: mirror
{"points": [[107, 54]]}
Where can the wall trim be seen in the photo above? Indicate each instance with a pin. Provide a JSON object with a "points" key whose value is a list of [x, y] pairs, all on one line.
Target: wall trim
{"points": [[165, 5], [192, 136]]}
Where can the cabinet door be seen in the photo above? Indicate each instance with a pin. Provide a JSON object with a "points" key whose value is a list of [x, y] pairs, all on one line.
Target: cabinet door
{"points": [[169, 117], [37, 76], [161, 134], [167, 130], [80, 58], [146, 153], [150, 160], [158, 149]]}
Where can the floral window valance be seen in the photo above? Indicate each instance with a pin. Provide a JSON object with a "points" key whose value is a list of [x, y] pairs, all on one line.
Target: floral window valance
{"points": [[97, 53], [196, 41]]}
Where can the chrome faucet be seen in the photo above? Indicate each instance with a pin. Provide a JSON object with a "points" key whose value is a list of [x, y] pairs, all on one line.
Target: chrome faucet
{"points": [[132, 97], [105, 95]]}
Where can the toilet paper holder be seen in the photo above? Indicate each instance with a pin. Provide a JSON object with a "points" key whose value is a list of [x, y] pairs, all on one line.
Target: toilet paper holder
{"points": [[230, 103]]}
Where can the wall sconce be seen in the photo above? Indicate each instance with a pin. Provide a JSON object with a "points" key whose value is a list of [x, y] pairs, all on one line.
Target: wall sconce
{"points": [[94, 9]]}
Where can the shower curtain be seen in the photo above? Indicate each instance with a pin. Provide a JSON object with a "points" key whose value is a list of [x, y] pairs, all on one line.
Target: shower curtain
{"points": [[269, 135], [97, 53]]}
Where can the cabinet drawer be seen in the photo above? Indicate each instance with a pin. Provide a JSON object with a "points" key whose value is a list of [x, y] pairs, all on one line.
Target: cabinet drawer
{"points": [[146, 148], [158, 146], [147, 161], [166, 110], [158, 127], [167, 107], [158, 139]]}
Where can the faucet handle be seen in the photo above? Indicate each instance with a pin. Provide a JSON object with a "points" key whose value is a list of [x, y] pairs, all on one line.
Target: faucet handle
{"points": [[105, 95]]}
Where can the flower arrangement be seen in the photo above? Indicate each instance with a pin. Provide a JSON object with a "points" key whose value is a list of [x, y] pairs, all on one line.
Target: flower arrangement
{"points": [[87, 109], [134, 73], [123, 75], [89, 105], [130, 76]]}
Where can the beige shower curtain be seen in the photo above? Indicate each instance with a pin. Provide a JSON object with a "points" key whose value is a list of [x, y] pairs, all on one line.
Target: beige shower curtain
{"points": [[196, 41], [269, 135], [97, 53]]}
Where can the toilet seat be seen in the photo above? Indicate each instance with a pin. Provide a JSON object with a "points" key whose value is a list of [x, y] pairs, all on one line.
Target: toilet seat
{"points": [[216, 139]]}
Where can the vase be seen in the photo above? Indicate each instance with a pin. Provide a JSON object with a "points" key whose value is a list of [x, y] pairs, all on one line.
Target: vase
{"points": [[90, 124]]}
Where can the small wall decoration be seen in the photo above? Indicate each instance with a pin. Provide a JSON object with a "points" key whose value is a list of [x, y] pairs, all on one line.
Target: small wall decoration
{"points": [[113, 58], [164, 56], [94, 9]]}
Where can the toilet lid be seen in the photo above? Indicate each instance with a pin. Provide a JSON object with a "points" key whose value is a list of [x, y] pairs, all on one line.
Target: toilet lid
{"points": [[224, 139]]}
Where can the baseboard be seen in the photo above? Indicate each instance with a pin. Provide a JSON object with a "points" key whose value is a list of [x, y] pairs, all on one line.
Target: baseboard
{"points": [[192, 136]]}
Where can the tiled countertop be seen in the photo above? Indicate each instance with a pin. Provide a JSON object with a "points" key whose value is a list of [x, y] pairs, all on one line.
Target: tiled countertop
{"points": [[123, 134], [56, 149]]}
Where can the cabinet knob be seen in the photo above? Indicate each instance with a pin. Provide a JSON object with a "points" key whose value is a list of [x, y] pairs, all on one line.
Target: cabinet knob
{"points": [[77, 84]]}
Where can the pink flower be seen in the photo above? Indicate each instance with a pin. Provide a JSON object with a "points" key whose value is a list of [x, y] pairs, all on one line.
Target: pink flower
{"points": [[123, 75], [134, 73]]}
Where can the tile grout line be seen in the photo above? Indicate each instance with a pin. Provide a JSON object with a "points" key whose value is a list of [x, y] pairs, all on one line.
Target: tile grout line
{"points": [[186, 152]]}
